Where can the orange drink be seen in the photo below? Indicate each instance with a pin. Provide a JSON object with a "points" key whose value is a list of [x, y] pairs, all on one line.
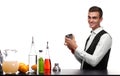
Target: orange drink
{"points": [[10, 67]]}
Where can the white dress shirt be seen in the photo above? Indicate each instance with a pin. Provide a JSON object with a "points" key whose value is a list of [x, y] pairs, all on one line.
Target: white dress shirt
{"points": [[102, 47]]}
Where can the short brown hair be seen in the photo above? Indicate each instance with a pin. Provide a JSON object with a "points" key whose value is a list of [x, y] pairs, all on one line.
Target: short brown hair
{"points": [[96, 9]]}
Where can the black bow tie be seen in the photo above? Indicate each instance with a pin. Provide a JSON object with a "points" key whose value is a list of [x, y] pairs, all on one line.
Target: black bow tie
{"points": [[91, 31]]}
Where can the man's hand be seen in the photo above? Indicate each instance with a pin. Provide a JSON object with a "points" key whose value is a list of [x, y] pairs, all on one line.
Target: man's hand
{"points": [[71, 44]]}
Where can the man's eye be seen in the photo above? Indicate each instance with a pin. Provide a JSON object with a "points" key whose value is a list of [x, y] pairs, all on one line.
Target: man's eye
{"points": [[89, 17]]}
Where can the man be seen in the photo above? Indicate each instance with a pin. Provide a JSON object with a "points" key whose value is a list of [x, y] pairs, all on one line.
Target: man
{"points": [[98, 45]]}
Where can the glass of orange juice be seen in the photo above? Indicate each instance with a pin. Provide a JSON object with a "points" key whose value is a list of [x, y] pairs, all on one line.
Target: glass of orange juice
{"points": [[10, 64]]}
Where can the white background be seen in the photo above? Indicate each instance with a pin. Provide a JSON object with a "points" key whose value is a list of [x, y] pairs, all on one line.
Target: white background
{"points": [[51, 20]]}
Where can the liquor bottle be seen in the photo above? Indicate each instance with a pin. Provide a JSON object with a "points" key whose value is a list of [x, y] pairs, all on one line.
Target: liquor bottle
{"points": [[1, 57], [32, 58], [40, 63], [1, 62], [47, 62]]}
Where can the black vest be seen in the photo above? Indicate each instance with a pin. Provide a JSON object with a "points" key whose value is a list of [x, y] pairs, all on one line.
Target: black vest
{"points": [[102, 65]]}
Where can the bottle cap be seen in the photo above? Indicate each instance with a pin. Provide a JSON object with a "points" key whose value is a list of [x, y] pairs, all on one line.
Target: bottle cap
{"points": [[47, 45], [40, 50]]}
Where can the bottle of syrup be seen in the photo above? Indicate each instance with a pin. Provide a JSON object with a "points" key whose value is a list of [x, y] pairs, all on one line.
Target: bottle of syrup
{"points": [[47, 62]]}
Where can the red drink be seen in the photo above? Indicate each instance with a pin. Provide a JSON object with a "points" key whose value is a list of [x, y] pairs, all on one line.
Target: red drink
{"points": [[47, 62], [47, 67]]}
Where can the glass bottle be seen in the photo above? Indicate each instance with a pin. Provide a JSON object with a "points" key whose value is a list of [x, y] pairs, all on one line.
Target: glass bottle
{"points": [[1, 61], [32, 58], [1, 57], [40, 63], [47, 62]]}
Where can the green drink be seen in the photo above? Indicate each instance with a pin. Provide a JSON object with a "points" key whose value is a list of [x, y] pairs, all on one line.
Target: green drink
{"points": [[41, 65]]}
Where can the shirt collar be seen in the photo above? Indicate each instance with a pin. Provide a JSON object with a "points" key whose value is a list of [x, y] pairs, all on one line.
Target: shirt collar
{"points": [[97, 30]]}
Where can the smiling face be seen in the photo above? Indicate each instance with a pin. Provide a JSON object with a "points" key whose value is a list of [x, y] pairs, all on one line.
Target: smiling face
{"points": [[94, 20]]}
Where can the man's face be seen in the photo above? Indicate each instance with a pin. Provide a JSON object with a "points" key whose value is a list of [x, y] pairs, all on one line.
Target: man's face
{"points": [[94, 20]]}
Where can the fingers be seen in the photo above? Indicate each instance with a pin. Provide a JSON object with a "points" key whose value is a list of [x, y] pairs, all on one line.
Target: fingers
{"points": [[67, 39], [65, 44]]}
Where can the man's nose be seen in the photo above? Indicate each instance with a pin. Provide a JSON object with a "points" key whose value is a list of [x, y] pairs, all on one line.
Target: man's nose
{"points": [[91, 20]]}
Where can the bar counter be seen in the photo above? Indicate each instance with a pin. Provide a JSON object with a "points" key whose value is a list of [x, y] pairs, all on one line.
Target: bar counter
{"points": [[76, 72]]}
